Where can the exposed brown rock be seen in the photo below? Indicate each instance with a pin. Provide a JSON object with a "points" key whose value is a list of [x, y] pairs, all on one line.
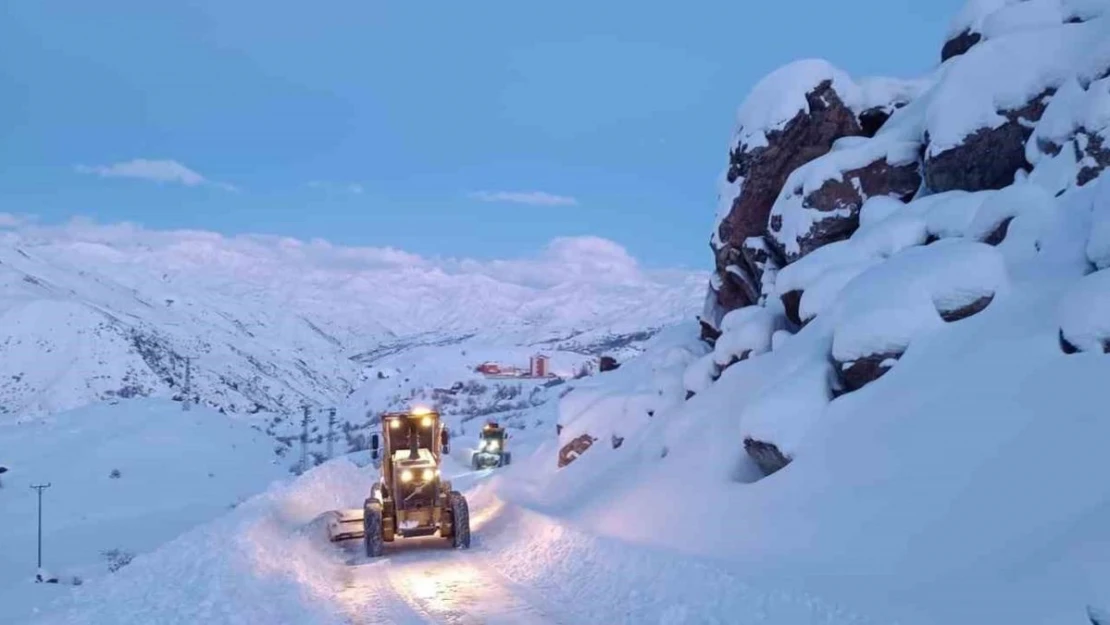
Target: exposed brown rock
{"points": [[967, 310], [998, 235], [849, 192], [854, 375], [959, 44], [792, 303], [1094, 148], [1067, 346], [766, 455], [575, 448], [989, 157]]}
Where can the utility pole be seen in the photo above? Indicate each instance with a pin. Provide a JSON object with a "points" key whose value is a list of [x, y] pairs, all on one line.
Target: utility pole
{"points": [[188, 384], [331, 432], [304, 439], [40, 488]]}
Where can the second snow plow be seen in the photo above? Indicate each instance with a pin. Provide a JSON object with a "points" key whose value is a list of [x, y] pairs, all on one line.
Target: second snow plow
{"points": [[411, 498]]}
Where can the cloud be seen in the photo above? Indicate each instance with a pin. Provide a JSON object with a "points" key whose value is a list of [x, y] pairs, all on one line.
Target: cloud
{"points": [[353, 188], [533, 198], [161, 171], [11, 220]]}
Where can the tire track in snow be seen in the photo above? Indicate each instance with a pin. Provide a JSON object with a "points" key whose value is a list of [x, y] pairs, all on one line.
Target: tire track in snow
{"points": [[462, 588]]}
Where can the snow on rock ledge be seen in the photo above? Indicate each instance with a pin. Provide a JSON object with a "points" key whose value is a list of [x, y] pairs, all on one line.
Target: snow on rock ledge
{"points": [[746, 332], [821, 201], [880, 313], [984, 109], [612, 406], [775, 423], [1085, 315]]}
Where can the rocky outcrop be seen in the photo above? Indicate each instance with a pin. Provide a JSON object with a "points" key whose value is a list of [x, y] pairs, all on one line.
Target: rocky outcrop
{"points": [[959, 44], [834, 206], [855, 374], [575, 448], [766, 455], [792, 303], [764, 169], [988, 158]]}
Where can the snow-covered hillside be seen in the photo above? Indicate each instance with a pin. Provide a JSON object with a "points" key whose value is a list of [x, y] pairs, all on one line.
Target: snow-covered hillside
{"points": [[92, 312], [125, 478]]}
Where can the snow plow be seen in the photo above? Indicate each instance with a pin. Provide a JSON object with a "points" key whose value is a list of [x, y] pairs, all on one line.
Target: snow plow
{"points": [[491, 450], [411, 498]]}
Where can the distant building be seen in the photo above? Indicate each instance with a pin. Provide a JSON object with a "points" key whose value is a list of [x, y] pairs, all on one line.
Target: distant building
{"points": [[489, 368], [537, 367]]}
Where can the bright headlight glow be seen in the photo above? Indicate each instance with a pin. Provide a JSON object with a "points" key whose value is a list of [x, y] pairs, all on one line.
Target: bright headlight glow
{"points": [[428, 475], [493, 445], [421, 410], [394, 423], [406, 476], [426, 422]]}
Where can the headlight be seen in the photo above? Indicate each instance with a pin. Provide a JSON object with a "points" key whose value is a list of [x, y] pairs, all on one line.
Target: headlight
{"points": [[406, 476], [429, 474], [494, 445], [426, 422], [394, 423]]}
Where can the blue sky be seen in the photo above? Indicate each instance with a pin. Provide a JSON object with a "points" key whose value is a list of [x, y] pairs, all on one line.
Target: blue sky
{"points": [[480, 129]]}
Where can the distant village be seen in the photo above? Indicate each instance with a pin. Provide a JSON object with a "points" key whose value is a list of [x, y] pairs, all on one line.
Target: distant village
{"points": [[538, 368]]}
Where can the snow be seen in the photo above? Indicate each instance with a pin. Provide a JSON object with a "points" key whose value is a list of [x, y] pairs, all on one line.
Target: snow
{"points": [[781, 95], [786, 411], [745, 331], [1098, 245], [1085, 313], [176, 470], [254, 565], [944, 276], [1008, 72], [1028, 206], [974, 13]]}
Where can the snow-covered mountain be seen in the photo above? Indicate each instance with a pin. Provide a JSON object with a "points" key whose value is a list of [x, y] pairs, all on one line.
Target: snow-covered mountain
{"points": [[91, 312]]}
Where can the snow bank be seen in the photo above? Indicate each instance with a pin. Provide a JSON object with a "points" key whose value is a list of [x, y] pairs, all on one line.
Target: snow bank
{"points": [[932, 280], [125, 478], [255, 565], [1098, 245], [1085, 313], [787, 410], [1014, 218], [618, 403]]}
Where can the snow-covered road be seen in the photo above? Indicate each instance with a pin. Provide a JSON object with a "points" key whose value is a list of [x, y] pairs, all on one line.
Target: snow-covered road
{"points": [[268, 562]]}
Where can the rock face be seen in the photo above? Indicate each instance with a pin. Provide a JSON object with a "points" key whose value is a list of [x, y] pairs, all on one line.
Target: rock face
{"points": [[764, 169], [990, 157], [838, 202], [959, 44], [575, 448], [608, 363], [766, 456]]}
